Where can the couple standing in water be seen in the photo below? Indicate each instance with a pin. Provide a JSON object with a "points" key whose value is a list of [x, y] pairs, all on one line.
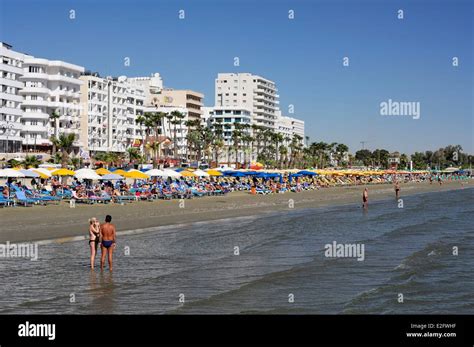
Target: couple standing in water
{"points": [[103, 235]]}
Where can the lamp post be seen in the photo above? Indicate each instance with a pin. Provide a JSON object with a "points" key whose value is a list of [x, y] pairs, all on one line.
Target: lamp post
{"points": [[7, 128]]}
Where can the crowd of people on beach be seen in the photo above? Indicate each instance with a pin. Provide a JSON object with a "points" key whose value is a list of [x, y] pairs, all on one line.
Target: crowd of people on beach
{"points": [[52, 190]]}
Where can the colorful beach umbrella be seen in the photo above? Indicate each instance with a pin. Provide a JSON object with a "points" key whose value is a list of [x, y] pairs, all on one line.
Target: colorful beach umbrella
{"points": [[11, 173], [62, 172], [112, 177], [154, 173], [186, 173], [102, 171], [212, 172], [86, 174], [201, 173], [135, 174], [44, 173], [119, 172], [30, 173]]}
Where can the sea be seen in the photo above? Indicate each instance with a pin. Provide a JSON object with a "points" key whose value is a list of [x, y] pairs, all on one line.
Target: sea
{"points": [[418, 259]]}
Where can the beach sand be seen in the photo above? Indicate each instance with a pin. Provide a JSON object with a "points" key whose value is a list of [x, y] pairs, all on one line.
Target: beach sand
{"points": [[62, 222]]}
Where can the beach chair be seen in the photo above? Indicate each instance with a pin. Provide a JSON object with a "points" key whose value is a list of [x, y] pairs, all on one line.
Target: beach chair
{"points": [[23, 200], [6, 201]]}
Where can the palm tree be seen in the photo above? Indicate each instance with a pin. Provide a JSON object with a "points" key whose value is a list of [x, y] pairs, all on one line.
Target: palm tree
{"points": [[236, 138], [75, 162], [154, 147], [54, 118], [140, 120], [283, 154], [177, 119], [30, 161], [65, 144], [133, 154]]}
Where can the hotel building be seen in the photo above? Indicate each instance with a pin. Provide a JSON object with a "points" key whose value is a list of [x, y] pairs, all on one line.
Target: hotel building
{"points": [[11, 69], [51, 86], [111, 107], [252, 92]]}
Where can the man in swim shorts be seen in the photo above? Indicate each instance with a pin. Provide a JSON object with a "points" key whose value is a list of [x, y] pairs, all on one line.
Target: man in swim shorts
{"points": [[107, 235]]}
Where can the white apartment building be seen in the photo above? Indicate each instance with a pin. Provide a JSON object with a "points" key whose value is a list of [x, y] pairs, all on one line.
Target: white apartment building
{"points": [[226, 118], [110, 109], [252, 92], [51, 86], [298, 127], [289, 127], [152, 86], [11, 69]]}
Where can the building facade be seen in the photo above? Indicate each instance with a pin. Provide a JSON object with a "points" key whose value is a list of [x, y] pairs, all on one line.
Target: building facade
{"points": [[51, 87], [110, 109], [11, 69], [249, 91]]}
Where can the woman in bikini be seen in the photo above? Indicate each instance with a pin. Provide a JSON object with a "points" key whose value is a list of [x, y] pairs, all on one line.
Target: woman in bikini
{"points": [[94, 238]]}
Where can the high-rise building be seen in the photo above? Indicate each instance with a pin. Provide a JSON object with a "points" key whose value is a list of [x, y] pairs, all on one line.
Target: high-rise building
{"points": [[251, 92], [51, 87], [11, 69], [111, 107]]}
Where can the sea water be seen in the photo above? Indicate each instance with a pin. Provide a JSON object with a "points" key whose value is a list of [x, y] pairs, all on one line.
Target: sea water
{"points": [[269, 263]]}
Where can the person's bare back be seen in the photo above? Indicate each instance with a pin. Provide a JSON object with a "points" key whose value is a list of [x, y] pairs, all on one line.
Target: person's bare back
{"points": [[107, 236]]}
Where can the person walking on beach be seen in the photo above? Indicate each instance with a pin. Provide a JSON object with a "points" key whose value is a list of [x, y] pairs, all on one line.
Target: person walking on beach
{"points": [[397, 190], [94, 237], [107, 236], [365, 199]]}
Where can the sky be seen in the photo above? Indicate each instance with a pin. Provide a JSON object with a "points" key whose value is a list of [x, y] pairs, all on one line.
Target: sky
{"points": [[404, 60]]}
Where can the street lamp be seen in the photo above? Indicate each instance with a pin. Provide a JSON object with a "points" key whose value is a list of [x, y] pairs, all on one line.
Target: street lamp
{"points": [[7, 128]]}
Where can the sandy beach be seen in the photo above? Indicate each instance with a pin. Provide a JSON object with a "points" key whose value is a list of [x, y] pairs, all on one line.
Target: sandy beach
{"points": [[62, 222]]}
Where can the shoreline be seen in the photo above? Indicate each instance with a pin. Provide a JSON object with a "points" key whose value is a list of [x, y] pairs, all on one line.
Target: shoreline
{"points": [[62, 223]]}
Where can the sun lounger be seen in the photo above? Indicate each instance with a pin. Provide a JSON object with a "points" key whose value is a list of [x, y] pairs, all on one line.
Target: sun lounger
{"points": [[6, 202], [23, 200]]}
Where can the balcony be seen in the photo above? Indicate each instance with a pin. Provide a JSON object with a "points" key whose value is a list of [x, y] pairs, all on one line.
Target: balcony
{"points": [[11, 111], [36, 103], [13, 97], [35, 115], [34, 128], [34, 90], [11, 83], [14, 69], [30, 76], [67, 79]]}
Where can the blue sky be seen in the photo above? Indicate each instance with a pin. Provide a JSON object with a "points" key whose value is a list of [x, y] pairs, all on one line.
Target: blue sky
{"points": [[402, 60]]}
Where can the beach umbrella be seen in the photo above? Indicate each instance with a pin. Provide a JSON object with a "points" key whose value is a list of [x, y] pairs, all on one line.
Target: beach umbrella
{"points": [[235, 174], [135, 174], [44, 173], [119, 172], [30, 173], [102, 171], [179, 169], [201, 173], [112, 177], [86, 174], [62, 172], [154, 173], [10, 173], [171, 173], [307, 173], [212, 172], [186, 173]]}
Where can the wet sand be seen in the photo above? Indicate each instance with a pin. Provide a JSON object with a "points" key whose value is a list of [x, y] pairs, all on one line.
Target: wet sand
{"points": [[60, 221]]}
